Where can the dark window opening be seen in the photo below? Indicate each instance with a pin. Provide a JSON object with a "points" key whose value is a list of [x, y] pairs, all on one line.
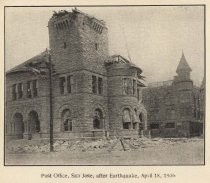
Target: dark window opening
{"points": [[170, 125], [126, 125], [94, 84], [96, 124], [29, 94], [14, 97], [134, 87], [98, 119], [126, 119], [62, 84], [96, 46], [20, 90], [69, 84], [34, 84], [141, 117], [100, 85], [34, 122], [37, 126], [64, 45], [154, 126], [67, 125]]}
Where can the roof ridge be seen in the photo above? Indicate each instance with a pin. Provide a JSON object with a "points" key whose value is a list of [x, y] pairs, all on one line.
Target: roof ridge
{"points": [[19, 66]]}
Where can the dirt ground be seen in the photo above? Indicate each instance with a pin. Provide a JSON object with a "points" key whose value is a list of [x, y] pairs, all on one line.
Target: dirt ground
{"points": [[108, 152]]}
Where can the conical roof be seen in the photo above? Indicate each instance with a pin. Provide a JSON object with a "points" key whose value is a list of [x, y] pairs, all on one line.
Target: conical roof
{"points": [[183, 65]]}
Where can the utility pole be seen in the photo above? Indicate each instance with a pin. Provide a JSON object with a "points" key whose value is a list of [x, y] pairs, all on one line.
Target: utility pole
{"points": [[51, 107]]}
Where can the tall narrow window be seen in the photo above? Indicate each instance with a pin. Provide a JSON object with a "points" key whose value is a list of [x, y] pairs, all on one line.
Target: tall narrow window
{"points": [[34, 85], [20, 90], [67, 120], [125, 86], [64, 45], [62, 84], [96, 46], [100, 86], [134, 87], [130, 86], [69, 84], [138, 94], [94, 84], [14, 97], [29, 94], [126, 119]]}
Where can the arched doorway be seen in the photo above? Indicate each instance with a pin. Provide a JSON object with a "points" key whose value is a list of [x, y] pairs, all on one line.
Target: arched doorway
{"points": [[18, 125], [34, 123], [98, 119], [66, 120]]}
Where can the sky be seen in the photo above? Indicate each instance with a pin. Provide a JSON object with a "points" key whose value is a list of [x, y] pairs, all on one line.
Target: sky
{"points": [[153, 36]]}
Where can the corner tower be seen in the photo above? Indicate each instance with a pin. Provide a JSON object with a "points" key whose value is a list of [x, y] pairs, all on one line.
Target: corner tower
{"points": [[183, 69], [183, 88], [77, 41], [183, 80]]}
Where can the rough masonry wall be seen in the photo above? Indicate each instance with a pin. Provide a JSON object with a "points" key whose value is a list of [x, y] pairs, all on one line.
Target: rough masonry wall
{"points": [[25, 105]]}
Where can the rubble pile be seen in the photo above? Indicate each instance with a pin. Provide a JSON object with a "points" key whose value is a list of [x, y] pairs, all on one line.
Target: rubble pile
{"points": [[21, 146]]}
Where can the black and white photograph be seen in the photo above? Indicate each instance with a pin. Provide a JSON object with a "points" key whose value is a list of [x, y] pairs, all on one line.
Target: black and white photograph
{"points": [[105, 85]]}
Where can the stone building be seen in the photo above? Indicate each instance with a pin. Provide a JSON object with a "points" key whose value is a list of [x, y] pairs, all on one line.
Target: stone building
{"points": [[93, 94], [175, 108]]}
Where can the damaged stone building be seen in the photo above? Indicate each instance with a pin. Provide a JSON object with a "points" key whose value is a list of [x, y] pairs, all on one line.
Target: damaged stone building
{"points": [[175, 108], [93, 94]]}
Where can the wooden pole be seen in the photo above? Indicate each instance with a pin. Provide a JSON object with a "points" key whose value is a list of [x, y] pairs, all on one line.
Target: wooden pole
{"points": [[51, 106]]}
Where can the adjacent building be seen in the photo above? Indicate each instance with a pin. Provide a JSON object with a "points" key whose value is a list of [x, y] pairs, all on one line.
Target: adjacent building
{"points": [[175, 108]]}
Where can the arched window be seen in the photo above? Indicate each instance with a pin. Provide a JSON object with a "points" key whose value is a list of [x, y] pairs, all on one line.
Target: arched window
{"points": [[126, 119], [18, 125], [34, 123], [66, 120], [98, 119]]}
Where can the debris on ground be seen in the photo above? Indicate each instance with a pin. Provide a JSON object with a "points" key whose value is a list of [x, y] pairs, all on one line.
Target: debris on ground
{"points": [[29, 146]]}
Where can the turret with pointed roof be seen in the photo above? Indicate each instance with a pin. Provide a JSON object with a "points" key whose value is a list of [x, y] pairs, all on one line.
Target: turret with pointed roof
{"points": [[183, 69]]}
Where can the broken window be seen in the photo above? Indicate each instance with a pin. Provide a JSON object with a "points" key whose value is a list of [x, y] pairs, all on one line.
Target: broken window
{"points": [[100, 86], [34, 85], [62, 81], [126, 119], [94, 84], [14, 97], [69, 84], [29, 93], [20, 90]]}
